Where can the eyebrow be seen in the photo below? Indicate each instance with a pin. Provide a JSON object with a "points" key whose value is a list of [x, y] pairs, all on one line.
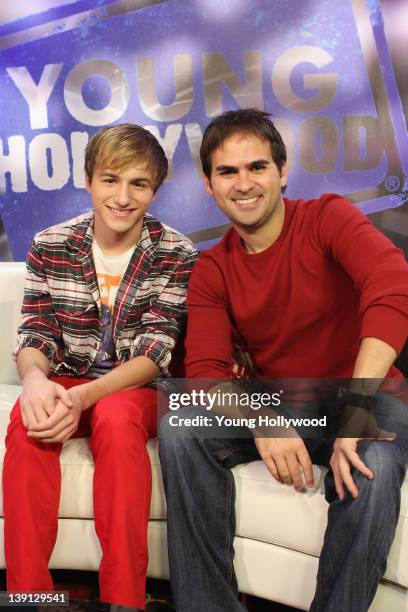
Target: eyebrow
{"points": [[256, 162], [111, 174]]}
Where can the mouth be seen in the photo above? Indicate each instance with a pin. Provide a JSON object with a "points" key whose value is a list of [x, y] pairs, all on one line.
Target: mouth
{"points": [[116, 212], [247, 203]]}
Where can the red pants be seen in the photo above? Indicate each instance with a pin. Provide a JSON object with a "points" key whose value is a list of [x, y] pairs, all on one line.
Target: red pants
{"points": [[119, 426]]}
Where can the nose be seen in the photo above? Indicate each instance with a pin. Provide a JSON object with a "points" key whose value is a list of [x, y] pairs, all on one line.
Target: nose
{"points": [[122, 194], [243, 182]]}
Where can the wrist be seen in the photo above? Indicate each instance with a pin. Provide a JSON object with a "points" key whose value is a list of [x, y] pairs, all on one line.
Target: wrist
{"points": [[34, 374], [345, 398], [81, 397]]}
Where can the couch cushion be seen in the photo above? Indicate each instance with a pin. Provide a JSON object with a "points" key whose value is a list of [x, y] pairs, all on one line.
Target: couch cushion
{"points": [[270, 512]]}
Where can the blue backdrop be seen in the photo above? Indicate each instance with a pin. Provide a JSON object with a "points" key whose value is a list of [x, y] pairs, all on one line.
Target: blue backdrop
{"points": [[333, 75]]}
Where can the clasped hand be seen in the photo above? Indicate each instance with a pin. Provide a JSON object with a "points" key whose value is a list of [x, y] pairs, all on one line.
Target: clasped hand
{"points": [[50, 412]]}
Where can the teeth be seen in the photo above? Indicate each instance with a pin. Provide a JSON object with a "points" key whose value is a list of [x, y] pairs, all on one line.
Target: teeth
{"points": [[120, 213], [247, 201]]}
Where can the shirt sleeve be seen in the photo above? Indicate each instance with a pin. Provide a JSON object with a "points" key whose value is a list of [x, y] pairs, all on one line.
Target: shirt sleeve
{"points": [[39, 328], [161, 325], [209, 332], [377, 267]]}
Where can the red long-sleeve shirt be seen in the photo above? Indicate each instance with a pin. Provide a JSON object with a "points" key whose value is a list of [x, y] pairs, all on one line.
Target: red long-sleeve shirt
{"points": [[300, 307]]}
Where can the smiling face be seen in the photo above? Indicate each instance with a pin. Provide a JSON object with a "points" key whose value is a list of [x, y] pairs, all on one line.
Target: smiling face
{"points": [[120, 198], [246, 183]]}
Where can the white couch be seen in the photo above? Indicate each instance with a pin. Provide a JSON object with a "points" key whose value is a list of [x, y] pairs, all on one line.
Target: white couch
{"points": [[279, 531]]}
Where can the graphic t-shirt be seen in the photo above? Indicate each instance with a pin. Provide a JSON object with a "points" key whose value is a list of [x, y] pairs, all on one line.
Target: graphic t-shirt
{"points": [[109, 272]]}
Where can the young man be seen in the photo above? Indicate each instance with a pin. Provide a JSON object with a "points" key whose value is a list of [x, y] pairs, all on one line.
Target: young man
{"points": [[103, 306], [306, 290]]}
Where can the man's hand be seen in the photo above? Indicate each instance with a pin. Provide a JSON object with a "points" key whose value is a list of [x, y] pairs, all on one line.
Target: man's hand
{"points": [[39, 399], [63, 422], [344, 457], [285, 458]]}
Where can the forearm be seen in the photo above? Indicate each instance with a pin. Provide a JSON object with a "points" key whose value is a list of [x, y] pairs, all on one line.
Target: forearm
{"points": [[242, 409], [373, 362], [32, 363], [134, 373]]}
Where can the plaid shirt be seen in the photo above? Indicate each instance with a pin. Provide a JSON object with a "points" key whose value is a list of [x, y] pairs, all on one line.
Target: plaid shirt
{"points": [[61, 307]]}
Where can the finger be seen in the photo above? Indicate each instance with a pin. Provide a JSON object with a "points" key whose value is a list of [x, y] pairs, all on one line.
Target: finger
{"points": [[271, 465], [53, 431], [338, 482], [63, 395], [37, 408], [388, 436], [27, 415], [40, 413], [60, 412], [294, 471], [49, 405], [37, 411], [60, 438], [345, 473], [358, 463], [24, 419], [30, 419], [283, 469], [307, 466]]}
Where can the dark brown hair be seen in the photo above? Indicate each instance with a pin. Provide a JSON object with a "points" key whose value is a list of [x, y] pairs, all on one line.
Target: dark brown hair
{"points": [[243, 121], [121, 145]]}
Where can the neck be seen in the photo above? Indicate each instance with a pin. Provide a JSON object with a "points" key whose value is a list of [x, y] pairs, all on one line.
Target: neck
{"points": [[258, 238], [116, 243]]}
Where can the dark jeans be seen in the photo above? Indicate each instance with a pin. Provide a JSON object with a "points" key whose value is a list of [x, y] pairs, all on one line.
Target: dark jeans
{"points": [[200, 493]]}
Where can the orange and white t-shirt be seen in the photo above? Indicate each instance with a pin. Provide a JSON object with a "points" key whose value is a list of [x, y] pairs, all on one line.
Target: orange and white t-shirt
{"points": [[109, 272]]}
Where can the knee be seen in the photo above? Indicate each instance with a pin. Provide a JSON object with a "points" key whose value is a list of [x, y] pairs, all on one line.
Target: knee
{"points": [[19, 444], [115, 416], [383, 459], [170, 435], [176, 430]]}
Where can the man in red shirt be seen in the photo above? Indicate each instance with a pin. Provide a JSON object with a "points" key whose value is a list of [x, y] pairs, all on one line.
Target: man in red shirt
{"points": [[298, 290]]}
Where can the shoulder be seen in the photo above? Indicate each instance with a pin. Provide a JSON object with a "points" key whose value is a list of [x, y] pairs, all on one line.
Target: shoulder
{"points": [[62, 232], [330, 212], [326, 204]]}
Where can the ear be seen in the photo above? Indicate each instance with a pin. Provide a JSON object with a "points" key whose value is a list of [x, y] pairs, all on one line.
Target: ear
{"points": [[207, 186], [284, 176]]}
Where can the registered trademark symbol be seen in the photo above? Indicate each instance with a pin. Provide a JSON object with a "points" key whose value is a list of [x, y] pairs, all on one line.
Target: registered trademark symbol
{"points": [[392, 183]]}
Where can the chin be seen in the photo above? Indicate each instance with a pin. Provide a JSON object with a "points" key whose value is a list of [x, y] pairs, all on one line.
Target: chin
{"points": [[246, 222]]}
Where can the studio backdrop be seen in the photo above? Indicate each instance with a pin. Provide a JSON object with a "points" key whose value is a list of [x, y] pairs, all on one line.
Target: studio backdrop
{"points": [[333, 74]]}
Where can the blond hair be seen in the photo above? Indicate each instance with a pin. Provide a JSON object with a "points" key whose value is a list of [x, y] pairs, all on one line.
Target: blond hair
{"points": [[121, 145]]}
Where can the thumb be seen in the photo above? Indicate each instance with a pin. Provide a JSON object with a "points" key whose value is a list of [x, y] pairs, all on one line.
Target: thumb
{"points": [[63, 394], [389, 437], [386, 435]]}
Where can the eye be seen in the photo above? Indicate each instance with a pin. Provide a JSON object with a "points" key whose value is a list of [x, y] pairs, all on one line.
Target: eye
{"points": [[227, 172], [109, 180], [140, 185], [258, 167]]}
